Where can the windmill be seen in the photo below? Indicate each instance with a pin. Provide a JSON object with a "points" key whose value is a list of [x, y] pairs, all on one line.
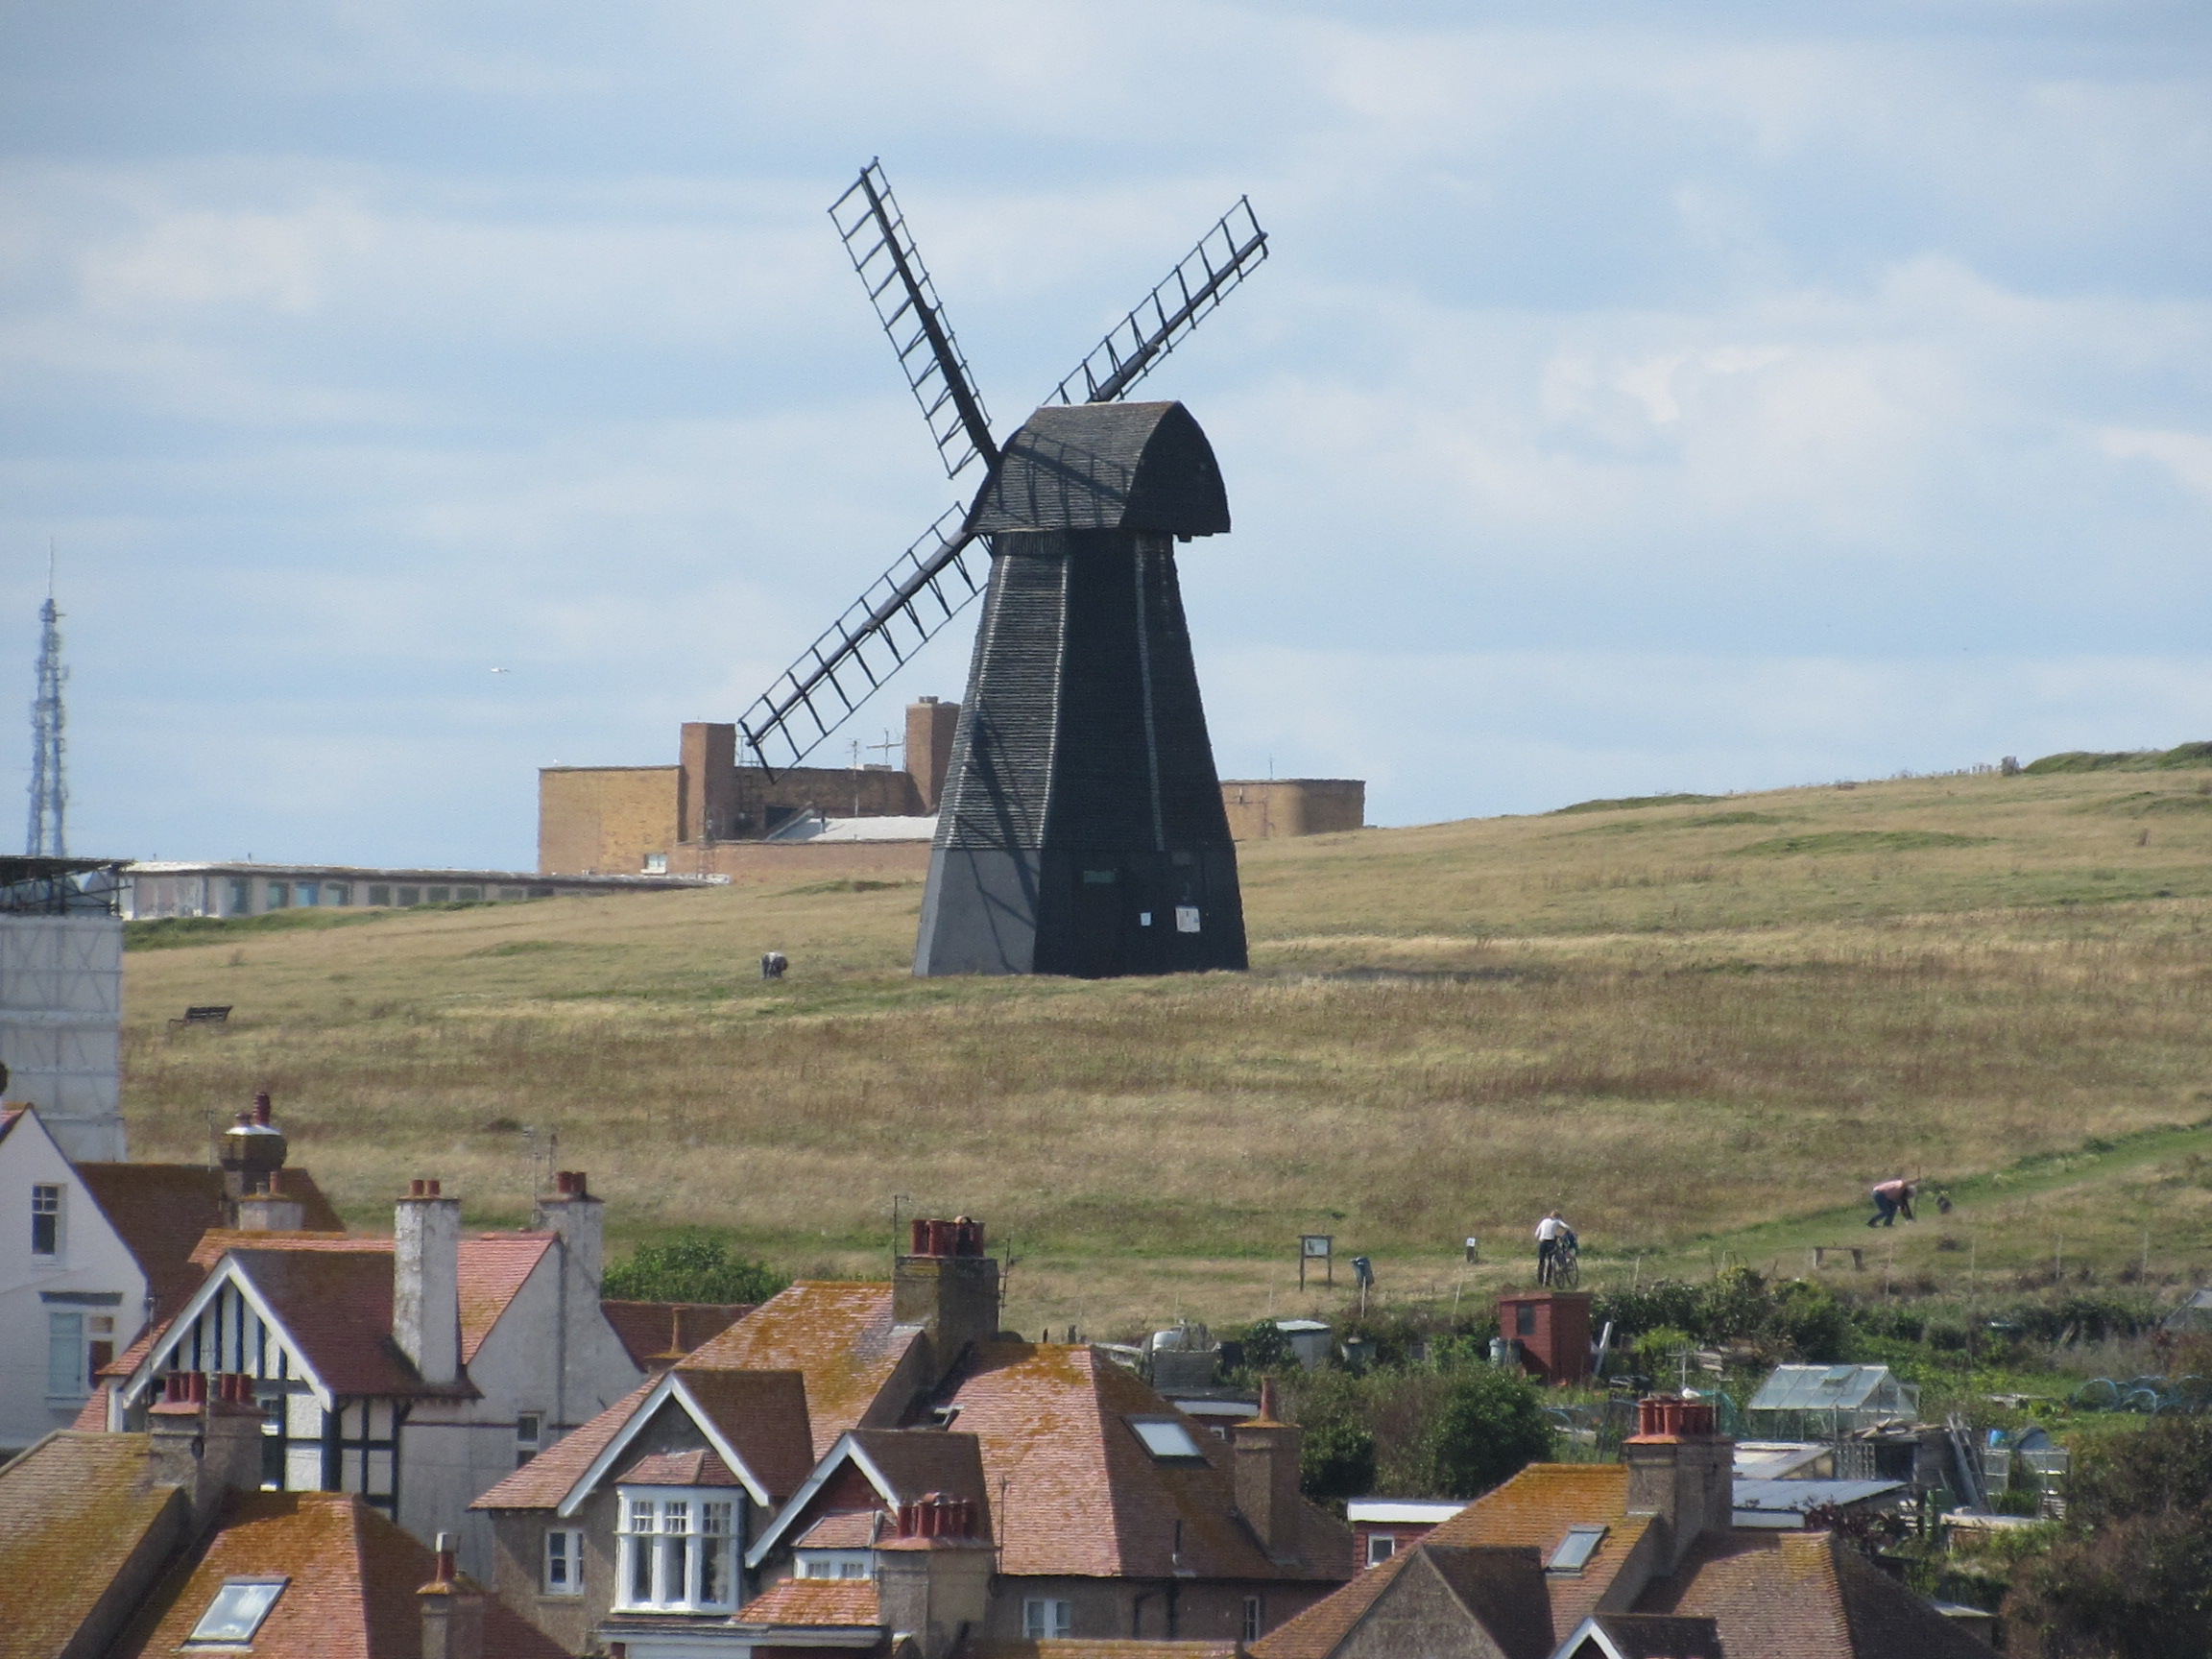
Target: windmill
{"points": [[1080, 828]]}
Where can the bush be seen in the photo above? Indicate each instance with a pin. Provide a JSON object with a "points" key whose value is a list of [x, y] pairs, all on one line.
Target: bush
{"points": [[1337, 1460], [693, 1266], [1265, 1347], [1490, 1428], [2132, 1576]]}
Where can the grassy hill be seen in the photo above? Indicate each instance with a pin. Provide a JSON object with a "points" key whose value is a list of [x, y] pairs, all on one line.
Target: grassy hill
{"points": [[1703, 1027]]}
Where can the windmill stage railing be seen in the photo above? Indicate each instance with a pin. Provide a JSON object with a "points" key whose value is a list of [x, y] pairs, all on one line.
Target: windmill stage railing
{"points": [[929, 585], [877, 241], [1225, 255]]}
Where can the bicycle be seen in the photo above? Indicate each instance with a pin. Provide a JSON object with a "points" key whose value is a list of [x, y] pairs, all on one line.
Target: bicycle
{"points": [[1562, 1269]]}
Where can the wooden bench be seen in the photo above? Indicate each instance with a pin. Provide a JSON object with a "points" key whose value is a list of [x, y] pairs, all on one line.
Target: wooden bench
{"points": [[206, 1015], [1858, 1253]]}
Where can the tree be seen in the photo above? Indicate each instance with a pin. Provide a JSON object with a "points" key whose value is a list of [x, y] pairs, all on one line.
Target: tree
{"points": [[693, 1266], [1490, 1428], [2130, 1576], [1337, 1460]]}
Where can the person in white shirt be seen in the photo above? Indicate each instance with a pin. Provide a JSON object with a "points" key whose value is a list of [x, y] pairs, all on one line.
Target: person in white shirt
{"points": [[1549, 1232]]}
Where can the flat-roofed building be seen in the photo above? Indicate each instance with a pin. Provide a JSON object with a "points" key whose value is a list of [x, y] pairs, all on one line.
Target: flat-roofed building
{"points": [[161, 888]]}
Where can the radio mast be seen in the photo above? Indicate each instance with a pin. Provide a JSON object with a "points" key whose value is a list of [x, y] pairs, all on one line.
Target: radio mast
{"points": [[49, 794]]}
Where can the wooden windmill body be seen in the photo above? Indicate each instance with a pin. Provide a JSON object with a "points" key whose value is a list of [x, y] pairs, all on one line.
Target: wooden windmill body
{"points": [[1081, 829]]}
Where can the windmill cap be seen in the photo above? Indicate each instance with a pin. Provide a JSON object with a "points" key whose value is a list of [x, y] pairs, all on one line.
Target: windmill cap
{"points": [[1106, 466]]}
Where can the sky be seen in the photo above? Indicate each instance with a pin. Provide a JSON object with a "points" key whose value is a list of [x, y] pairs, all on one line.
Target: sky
{"points": [[1637, 398]]}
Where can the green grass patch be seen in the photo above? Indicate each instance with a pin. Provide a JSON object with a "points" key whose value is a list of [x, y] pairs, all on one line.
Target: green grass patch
{"points": [[1859, 841], [1722, 820], [1626, 800], [171, 932], [847, 884], [530, 948], [2121, 760]]}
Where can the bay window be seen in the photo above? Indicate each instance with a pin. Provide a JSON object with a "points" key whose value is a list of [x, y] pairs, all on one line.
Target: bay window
{"points": [[677, 1549]]}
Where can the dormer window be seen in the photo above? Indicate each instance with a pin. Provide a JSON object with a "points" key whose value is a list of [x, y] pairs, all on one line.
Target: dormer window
{"points": [[678, 1550], [834, 1563]]}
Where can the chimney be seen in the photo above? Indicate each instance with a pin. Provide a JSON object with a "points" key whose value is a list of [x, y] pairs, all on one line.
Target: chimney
{"points": [[1266, 1451], [269, 1211], [947, 1287], [253, 1149], [1680, 1469], [933, 1574], [579, 1221], [706, 783], [206, 1440], [929, 728], [427, 1281], [452, 1611]]}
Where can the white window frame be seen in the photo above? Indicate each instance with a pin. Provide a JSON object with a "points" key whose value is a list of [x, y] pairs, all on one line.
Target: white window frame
{"points": [[1381, 1547], [570, 1554], [1254, 1616], [1047, 1618], [529, 1435], [673, 1525], [42, 1195], [834, 1565]]}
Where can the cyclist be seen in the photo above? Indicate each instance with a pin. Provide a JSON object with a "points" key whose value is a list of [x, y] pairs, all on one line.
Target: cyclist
{"points": [[1551, 1234]]}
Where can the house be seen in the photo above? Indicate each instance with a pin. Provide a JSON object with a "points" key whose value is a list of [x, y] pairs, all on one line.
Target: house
{"points": [[414, 1371], [1635, 1560], [132, 1545], [728, 1435], [854, 1464], [1381, 1527], [99, 1249]]}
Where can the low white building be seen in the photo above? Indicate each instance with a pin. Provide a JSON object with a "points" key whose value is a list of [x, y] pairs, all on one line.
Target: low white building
{"points": [[156, 888]]}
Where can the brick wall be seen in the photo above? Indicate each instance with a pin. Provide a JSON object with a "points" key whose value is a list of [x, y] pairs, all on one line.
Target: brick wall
{"points": [[1273, 808], [604, 820]]}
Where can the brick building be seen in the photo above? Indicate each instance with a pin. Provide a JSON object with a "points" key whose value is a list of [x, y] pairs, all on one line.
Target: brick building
{"points": [[707, 815]]}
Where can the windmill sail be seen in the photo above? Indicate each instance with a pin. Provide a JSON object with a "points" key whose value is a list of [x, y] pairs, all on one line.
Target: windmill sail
{"points": [[1225, 255], [905, 300], [934, 580]]}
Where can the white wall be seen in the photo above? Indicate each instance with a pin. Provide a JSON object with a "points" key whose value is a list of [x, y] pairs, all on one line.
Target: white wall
{"points": [[454, 1452], [61, 1026], [92, 1262]]}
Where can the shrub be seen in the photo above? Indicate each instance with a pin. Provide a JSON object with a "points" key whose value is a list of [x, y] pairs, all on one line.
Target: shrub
{"points": [[693, 1266], [1265, 1347], [1337, 1460], [1491, 1427]]}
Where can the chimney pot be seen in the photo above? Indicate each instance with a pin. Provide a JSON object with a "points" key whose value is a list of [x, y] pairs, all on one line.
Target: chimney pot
{"points": [[1267, 1398], [433, 1186], [261, 1106]]}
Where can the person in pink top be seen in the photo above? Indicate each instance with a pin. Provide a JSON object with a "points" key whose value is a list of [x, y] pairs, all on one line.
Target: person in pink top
{"points": [[1893, 1200]]}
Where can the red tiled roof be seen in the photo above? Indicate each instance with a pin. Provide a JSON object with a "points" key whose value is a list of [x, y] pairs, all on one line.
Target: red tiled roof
{"points": [[547, 1477], [492, 1268], [352, 1577], [93, 1416], [1077, 1647], [1534, 1508], [341, 1316], [161, 1211], [1082, 1495], [916, 1463], [764, 1417], [815, 1603], [699, 1467], [72, 1510], [1786, 1595], [839, 1336], [659, 1334], [854, 1530]]}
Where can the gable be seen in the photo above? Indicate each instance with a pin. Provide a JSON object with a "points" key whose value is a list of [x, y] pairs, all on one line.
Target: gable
{"points": [[671, 1418], [1422, 1610]]}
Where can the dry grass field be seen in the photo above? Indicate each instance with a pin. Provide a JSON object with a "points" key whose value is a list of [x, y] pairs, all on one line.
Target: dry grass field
{"points": [[1703, 1027]]}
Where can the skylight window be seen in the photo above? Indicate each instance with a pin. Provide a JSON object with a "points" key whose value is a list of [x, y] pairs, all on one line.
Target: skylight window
{"points": [[236, 1613], [1164, 1437], [1575, 1550]]}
